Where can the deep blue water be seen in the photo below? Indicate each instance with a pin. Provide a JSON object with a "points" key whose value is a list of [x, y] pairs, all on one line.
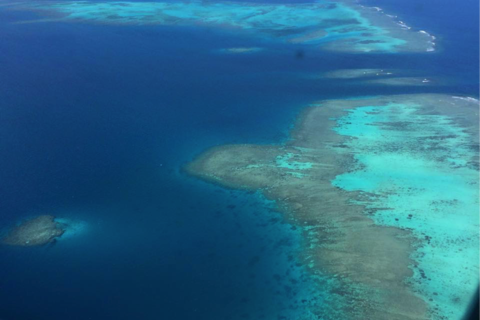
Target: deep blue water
{"points": [[95, 125]]}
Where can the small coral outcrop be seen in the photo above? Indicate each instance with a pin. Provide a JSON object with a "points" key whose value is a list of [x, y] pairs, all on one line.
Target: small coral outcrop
{"points": [[34, 232]]}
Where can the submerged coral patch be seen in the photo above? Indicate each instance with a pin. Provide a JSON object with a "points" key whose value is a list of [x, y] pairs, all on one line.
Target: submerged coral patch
{"points": [[239, 50], [377, 77], [34, 232], [356, 73], [404, 81]]}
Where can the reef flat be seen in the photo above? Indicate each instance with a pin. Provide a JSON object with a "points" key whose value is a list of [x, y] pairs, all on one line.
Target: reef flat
{"points": [[334, 25], [385, 190], [34, 232]]}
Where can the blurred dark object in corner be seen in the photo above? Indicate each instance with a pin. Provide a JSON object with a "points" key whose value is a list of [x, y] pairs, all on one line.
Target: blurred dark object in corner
{"points": [[473, 313]]}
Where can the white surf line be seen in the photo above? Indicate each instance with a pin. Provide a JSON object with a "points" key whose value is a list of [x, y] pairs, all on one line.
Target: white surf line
{"points": [[466, 99]]}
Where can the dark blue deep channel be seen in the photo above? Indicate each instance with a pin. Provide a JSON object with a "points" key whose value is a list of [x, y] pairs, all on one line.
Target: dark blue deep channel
{"points": [[96, 123]]}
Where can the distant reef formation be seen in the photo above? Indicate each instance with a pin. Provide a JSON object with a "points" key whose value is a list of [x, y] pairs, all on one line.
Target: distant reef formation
{"points": [[34, 232], [334, 25]]}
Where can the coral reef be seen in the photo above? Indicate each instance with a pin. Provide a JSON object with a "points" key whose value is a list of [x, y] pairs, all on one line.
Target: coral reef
{"points": [[385, 190]]}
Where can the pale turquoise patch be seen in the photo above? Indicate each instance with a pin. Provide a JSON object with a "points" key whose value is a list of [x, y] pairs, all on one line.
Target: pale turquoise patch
{"points": [[418, 167], [285, 161]]}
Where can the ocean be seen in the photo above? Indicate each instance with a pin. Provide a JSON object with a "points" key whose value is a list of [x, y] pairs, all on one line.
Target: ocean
{"points": [[98, 121]]}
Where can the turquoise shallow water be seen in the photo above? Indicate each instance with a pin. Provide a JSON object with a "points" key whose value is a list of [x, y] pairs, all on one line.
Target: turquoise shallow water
{"points": [[420, 171]]}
